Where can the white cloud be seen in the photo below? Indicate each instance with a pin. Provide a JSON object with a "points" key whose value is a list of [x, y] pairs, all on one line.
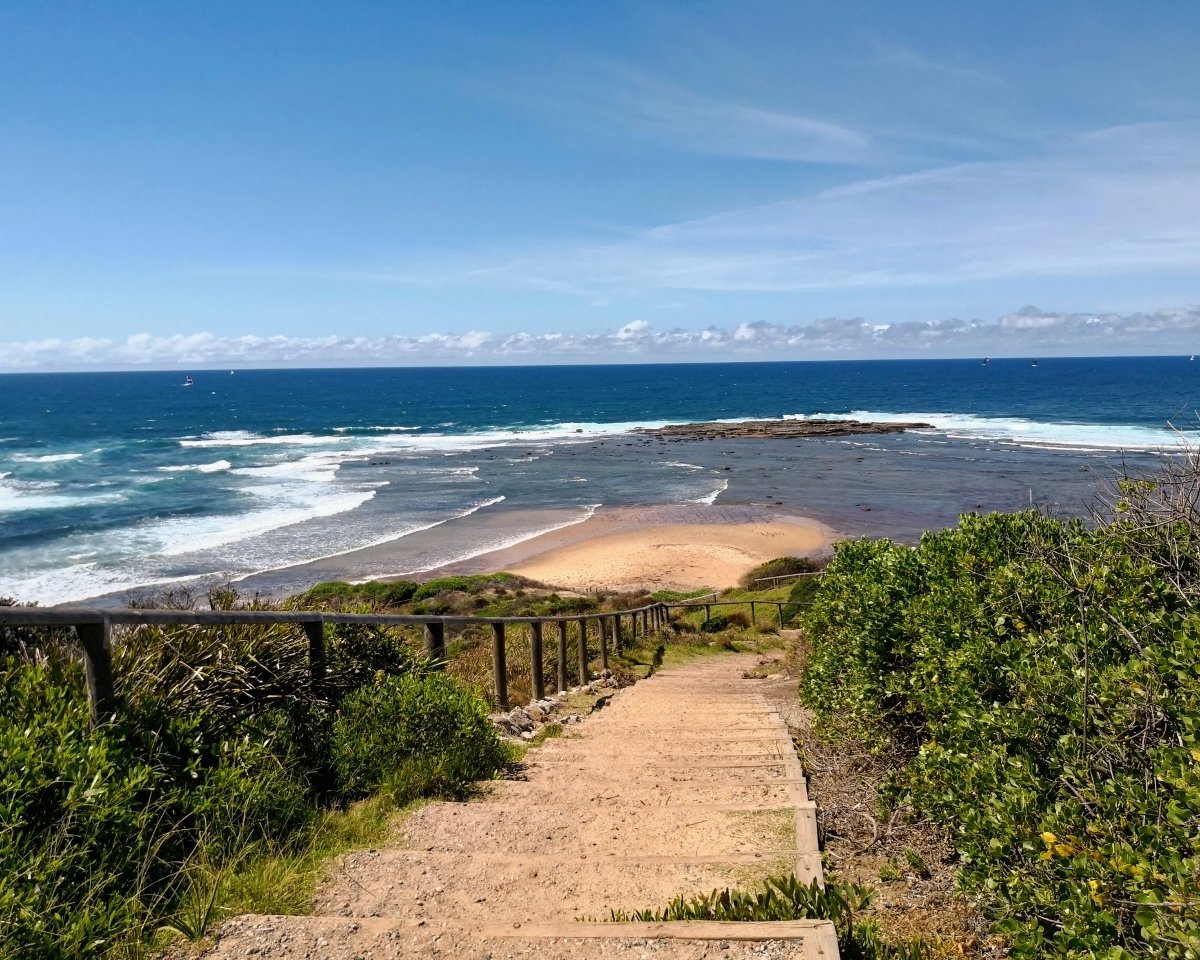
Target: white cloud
{"points": [[1116, 202], [1027, 331], [617, 98]]}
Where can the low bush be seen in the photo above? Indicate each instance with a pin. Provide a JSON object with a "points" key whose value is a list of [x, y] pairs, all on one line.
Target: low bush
{"points": [[410, 728], [1040, 679], [224, 749], [779, 567], [473, 583], [336, 595], [800, 597]]}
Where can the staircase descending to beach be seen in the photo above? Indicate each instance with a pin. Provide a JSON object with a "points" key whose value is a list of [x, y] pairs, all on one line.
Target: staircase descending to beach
{"points": [[685, 783]]}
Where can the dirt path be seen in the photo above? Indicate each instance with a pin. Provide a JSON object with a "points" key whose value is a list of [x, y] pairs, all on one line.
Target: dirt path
{"points": [[684, 783]]}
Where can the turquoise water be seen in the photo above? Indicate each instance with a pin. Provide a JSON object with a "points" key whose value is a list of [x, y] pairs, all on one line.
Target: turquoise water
{"points": [[111, 481]]}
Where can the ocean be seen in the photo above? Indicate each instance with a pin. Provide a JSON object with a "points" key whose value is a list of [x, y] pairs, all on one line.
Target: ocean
{"points": [[116, 481]]}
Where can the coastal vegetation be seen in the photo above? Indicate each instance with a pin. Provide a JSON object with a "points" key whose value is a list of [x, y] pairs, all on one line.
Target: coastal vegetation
{"points": [[226, 778], [782, 897], [1034, 685]]}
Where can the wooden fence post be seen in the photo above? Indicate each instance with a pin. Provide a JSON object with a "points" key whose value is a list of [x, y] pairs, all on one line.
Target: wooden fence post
{"points": [[96, 640], [707, 612], [583, 651], [753, 614], [603, 643], [499, 665], [562, 655], [779, 610], [616, 633], [315, 630], [435, 644], [535, 659]]}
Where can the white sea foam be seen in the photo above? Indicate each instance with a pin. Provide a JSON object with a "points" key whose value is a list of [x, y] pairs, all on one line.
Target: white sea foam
{"points": [[406, 531], [217, 466], [1025, 432], [79, 581], [403, 439], [379, 429], [504, 543], [712, 497], [315, 468], [47, 458], [243, 438], [287, 504], [676, 463], [23, 495]]}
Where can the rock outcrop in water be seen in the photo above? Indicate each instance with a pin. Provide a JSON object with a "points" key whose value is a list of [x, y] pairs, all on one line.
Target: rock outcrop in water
{"points": [[775, 429]]}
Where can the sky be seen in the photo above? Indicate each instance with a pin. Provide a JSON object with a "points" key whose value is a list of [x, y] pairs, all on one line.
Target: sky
{"points": [[274, 184]]}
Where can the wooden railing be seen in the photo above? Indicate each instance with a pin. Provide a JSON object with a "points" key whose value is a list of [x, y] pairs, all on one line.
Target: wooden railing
{"points": [[707, 606], [94, 629], [775, 581]]}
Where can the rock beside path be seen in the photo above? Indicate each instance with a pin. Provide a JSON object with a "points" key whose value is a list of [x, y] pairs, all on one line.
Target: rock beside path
{"points": [[775, 429]]}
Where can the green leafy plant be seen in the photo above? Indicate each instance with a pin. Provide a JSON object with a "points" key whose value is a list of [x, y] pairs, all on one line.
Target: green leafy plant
{"points": [[424, 733], [1040, 679], [784, 897]]}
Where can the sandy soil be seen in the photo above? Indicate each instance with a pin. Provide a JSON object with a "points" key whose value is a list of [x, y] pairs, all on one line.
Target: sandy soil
{"points": [[677, 548], [649, 799]]}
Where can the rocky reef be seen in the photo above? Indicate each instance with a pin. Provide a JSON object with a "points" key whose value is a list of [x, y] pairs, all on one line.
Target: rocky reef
{"points": [[775, 429]]}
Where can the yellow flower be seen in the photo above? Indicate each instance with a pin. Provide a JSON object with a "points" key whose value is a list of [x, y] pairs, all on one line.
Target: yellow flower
{"points": [[1049, 839]]}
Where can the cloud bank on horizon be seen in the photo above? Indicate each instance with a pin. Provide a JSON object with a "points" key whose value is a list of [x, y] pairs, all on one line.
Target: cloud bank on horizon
{"points": [[1028, 331], [693, 178]]}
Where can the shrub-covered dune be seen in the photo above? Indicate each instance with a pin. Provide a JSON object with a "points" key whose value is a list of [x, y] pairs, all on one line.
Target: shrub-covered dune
{"points": [[1040, 682]]}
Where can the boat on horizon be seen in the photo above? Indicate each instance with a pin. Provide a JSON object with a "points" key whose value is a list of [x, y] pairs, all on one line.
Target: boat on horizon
{"points": [[187, 381], [986, 361], [1034, 364]]}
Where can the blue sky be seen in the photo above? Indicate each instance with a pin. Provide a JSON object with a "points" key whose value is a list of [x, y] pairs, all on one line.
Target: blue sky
{"points": [[482, 182]]}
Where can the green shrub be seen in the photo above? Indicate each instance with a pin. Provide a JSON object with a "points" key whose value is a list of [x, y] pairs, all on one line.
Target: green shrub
{"points": [[77, 818], [779, 567], [716, 623], [1042, 680], [382, 729], [800, 597], [222, 752], [466, 584], [337, 594]]}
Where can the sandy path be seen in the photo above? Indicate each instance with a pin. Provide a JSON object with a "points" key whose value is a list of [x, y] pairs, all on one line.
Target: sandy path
{"points": [[683, 783]]}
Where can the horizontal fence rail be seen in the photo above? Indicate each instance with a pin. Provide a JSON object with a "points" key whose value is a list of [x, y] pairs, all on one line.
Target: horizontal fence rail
{"points": [[786, 576], [707, 606], [94, 630]]}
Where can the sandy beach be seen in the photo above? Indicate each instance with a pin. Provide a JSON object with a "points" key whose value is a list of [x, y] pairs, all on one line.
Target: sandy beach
{"points": [[662, 547]]}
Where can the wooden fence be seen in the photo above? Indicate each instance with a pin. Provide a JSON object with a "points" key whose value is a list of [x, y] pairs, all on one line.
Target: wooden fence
{"points": [[94, 629], [707, 606], [775, 581]]}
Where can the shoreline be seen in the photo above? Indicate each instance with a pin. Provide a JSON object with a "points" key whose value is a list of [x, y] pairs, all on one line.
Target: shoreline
{"points": [[677, 547], [616, 549]]}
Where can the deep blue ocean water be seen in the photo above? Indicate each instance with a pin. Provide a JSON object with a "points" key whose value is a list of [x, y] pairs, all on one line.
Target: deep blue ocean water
{"points": [[109, 481]]}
